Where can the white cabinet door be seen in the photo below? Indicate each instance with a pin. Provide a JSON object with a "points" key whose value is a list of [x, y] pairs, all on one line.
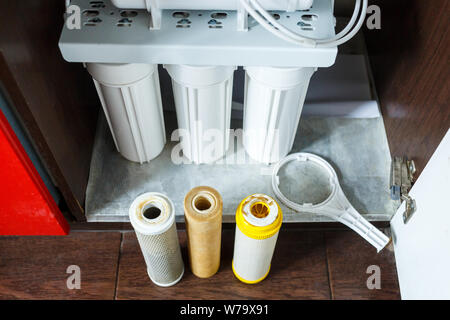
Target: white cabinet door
{"points": [[422, 246]]}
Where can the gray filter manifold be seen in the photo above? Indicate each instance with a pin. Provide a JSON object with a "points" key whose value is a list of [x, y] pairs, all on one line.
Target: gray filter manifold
{"points": [[153, 218]]}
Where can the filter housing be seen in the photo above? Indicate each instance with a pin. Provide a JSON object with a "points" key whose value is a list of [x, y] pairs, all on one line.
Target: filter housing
{"points": [[258, 221], [203, 99], [131, 99], [273, 104], [153, 219]]}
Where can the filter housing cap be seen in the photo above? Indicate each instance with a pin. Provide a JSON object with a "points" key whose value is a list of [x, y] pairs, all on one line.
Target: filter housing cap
{"points": [[263, 227]]}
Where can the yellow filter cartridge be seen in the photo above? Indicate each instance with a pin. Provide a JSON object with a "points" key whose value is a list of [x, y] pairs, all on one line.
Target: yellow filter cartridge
{"points": [[153, 218], [203, 215], [258, 221]]}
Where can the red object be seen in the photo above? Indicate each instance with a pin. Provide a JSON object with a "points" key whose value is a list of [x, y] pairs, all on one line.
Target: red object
{"points": [[26, 206]]}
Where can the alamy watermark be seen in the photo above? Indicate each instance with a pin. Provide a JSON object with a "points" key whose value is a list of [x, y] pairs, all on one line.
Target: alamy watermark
{"points": [[73, 20], [74, 280], [227, 147], [374, 280], [373, 17]]}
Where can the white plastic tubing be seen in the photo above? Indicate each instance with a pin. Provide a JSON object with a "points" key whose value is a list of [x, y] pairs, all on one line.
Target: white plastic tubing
{"points": [[203, 99], [131, 100], [273, 104], [267, 21]]}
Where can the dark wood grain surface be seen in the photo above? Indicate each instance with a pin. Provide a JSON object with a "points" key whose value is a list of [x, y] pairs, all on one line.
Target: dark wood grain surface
{"points": [[410, 61], [349, 256], [56, 100], [298, 272], [306, 265], [35, 267]]}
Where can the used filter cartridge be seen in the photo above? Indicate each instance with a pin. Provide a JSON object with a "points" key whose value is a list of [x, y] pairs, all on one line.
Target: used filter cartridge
{"points": [[153, 218], [131, 100], [203, 98], [258, 221], [203, 216], [273, 104]]}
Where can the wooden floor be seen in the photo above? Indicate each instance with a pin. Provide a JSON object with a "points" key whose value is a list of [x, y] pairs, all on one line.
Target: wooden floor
{"points": [[306, 265]]}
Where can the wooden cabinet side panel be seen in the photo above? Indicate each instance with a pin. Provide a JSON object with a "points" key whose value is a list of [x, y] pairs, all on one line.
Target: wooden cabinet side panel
{"points": [[56, 100], [410, 58]]}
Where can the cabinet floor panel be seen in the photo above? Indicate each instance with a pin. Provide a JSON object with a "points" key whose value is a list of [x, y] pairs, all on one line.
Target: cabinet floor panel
{"points": [[356, 147]]}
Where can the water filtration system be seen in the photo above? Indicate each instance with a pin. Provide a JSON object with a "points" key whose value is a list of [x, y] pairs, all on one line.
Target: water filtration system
{"points": [[201, 43], [280, 44]]}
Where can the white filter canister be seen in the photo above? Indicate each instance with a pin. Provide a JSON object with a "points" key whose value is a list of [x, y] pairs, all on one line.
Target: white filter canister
{"points": [[153, 218], [273, 103], [203, 99], [131, 99], [258, 221]]}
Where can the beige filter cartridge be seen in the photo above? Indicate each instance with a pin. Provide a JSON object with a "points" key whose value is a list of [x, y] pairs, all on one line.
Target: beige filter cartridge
{"points": [[203, 215]]}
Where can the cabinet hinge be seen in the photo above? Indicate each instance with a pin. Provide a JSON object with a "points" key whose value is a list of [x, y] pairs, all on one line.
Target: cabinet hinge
{"points": [[402, 179]]}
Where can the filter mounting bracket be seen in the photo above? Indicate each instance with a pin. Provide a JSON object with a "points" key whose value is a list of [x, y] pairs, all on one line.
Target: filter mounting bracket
{"points": [[196, 37]]}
